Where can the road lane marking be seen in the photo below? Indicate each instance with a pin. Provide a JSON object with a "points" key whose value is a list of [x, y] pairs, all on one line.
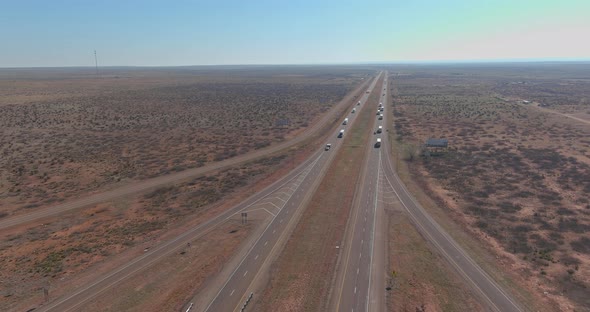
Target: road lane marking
{"points": [[232, 292], [357, 271], [245, 273], [265, 243], [256, 257], [355, 289]]}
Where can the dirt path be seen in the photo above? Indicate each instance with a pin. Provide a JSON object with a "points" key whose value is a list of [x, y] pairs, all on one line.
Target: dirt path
{"points": [[550, 111], [319, 126]]}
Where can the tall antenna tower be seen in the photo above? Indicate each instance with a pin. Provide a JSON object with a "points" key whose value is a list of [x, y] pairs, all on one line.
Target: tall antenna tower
{"points": [[96, 63]]}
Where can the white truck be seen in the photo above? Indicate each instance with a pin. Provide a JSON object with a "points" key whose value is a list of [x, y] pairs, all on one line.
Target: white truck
{"points": [[353, 110], [378, 143], [380, 116], [345, 122], [380, 129], [341, 133], [359, 103], [328, 146]]}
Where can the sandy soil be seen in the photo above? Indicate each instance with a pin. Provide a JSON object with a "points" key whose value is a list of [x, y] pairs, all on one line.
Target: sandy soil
{"points": [[515, 178]]}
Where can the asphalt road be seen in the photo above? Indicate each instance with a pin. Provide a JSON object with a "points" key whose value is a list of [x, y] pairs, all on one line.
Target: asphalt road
{"points": [[237, 289], [149, 184], [489, 291], [73, 301], [359, 267], [361, 280], [281, 194]]}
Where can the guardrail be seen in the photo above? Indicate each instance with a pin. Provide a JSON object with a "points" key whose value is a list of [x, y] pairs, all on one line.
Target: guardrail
{"points": [[246, 303]]}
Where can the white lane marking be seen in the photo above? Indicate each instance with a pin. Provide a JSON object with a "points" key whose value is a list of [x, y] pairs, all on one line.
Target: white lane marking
{"points": [[357, 271], [256, 257], [360, 254], [232, 292], [245, 273], [273, 231], [265, 243], [355, 289], [362, 241]]}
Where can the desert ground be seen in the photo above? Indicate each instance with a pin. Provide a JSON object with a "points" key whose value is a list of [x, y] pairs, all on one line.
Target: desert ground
{"points": [[67, 133], [512, 186], [515, 177]]}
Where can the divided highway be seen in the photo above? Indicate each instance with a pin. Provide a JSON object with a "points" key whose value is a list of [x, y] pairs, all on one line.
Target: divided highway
{"points": [[237, 288], [360, 283], [280, 200], [355, 275]]}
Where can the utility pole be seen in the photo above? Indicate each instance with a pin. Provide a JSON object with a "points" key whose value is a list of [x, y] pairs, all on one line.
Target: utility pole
{"points": [[96, 63]]}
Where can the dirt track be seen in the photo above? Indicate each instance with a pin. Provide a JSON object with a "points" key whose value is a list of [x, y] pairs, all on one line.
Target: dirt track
{"points": [[322, 124]]}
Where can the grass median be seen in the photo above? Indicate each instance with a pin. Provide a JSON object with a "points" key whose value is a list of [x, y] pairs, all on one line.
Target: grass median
{"points": [[301, 278]]}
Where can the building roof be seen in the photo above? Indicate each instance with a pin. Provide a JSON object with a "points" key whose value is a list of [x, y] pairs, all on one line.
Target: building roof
{"points": [[437, 142]]}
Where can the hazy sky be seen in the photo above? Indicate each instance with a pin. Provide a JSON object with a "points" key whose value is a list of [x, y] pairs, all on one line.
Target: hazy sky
{"points": [[65, 33]]}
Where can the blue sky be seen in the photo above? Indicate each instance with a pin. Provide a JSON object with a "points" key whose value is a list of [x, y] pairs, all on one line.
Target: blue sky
{"points": [[170, 33]]}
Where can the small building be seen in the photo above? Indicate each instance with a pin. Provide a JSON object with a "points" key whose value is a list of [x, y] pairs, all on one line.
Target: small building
{"points": [[526, 102], [435, 146]]}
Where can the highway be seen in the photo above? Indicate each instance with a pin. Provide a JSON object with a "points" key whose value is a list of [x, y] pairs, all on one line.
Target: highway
{"points": [[361, 277], [238, 287], [281, 194], [485, 287], [149, 184], [359, 265]]}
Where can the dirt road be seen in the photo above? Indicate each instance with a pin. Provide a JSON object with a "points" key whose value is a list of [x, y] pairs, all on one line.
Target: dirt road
{"points": [[142, 186]]}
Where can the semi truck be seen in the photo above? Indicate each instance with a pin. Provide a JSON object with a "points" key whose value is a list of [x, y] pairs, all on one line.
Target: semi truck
{"points": [[345, 122], [378, 143], [341, 133]]}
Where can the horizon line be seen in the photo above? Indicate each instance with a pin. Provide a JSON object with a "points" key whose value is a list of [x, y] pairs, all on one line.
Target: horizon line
{"points": [[395, 62]]}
